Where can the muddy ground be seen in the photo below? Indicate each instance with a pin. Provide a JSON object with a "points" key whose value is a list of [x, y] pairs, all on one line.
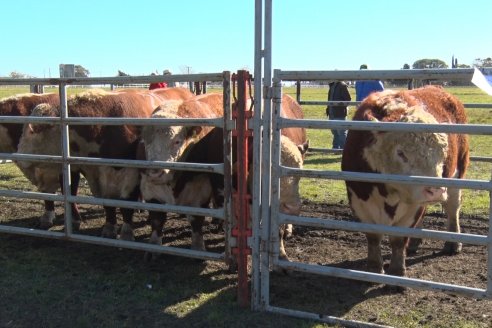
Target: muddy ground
{"points": [[338, 297]]}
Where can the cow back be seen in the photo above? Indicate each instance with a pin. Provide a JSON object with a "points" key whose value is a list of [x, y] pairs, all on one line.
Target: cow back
{"points": [[291, 109], [20, 105]]}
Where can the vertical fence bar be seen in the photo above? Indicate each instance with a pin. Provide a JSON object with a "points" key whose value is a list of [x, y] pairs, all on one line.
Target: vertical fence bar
{"points": [[266, 157], [65, 154], [241, 197], [489, 250], [257, 173], [226, 84], [275, 176]]}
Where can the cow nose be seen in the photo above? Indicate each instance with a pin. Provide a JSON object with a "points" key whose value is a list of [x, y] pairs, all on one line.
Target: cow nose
{"points": [[436, 193], [160, 176]]}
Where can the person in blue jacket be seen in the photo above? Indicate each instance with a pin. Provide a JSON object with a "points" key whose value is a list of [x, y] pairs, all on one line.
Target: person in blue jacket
{"points": [[365, 88]]}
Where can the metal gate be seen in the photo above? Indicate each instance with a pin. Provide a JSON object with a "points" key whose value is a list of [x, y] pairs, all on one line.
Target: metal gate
{"points": [[66, 160], [267, 244]]}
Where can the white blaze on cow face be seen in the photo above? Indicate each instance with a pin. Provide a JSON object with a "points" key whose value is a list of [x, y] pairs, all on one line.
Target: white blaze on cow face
{"points": [[410, 153], [167, 144]]}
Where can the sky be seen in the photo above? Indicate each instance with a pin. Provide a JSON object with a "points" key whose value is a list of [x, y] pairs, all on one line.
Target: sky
{"points": [[209, 36]]}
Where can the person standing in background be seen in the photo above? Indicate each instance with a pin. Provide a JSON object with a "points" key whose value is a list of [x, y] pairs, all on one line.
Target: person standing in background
{"points": [[338, 91], [365, 88]]}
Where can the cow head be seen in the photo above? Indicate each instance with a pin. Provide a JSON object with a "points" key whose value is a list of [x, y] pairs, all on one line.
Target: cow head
{"points": [[166, 143], [410, 153], [43, 110]]}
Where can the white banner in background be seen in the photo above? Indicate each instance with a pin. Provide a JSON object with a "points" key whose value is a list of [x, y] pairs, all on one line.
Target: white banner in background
{"points": [[484, 82]]}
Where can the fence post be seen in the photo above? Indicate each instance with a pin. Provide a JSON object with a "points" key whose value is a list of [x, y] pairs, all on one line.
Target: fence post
{"points": [[241, 197]]}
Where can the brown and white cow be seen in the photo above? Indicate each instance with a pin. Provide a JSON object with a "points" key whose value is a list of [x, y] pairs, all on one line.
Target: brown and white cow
{"points": [[169, 143], [101, 141], [405, 153], [22, 105], [198, 189]]}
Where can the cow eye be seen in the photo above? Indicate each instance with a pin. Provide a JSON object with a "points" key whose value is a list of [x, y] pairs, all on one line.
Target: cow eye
{"points": [[401, 154]]}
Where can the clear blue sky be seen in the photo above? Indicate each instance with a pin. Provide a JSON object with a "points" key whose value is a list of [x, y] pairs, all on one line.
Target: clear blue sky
{"points": [[139, 37]]}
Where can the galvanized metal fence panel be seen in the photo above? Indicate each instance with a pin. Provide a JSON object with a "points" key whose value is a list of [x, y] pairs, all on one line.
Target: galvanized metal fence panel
{"points": [[276, 218], [66, 160]]}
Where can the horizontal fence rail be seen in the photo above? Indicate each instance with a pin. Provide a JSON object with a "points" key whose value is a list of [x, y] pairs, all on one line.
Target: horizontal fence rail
{"points": [[355, 103], [461, 74], [213, 77]]}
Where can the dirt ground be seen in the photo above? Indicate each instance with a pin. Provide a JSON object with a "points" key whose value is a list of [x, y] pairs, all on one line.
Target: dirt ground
{"points": [[370, 302], [344, 298]]}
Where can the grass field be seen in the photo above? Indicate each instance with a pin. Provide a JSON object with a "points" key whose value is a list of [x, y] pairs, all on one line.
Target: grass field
{"points": [[48, 283]]}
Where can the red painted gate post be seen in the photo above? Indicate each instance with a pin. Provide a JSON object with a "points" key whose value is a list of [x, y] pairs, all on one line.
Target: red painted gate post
{"points": [[241, 198]]}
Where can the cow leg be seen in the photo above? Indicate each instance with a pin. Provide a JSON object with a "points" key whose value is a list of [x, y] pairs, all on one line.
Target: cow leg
{"points": [[127, 213], [397, 263], [110, 229], [197, 242], [452, 208], [126, 232], [76, 218], [283, 232], [46, 220], [374, 258], [156, 220]]}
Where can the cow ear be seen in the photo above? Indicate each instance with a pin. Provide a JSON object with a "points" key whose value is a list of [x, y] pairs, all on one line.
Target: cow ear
{"points": [[194, 131]]}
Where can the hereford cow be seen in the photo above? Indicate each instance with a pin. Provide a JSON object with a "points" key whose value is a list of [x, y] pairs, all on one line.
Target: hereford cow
{"points": [[22, 105], [405, 153], [198, 189], [100, 141], [169, 143]]}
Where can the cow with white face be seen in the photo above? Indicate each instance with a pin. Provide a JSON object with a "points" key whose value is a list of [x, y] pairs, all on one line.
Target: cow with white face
{"points": [[100, 141], [405, 153], [169, 143]]}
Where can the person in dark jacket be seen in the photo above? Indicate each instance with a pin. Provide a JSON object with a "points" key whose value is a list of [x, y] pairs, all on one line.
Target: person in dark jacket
{"points": [[338, 91]]}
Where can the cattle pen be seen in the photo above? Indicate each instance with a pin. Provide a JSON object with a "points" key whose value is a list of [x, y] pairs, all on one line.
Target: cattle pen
{"points": [[266, 217]]}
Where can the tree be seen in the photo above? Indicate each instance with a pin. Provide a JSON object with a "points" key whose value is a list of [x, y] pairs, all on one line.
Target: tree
{"points": [[121, 73], [18, 75], [478, 62], [80, 71], [406, 66], [429, 63]]}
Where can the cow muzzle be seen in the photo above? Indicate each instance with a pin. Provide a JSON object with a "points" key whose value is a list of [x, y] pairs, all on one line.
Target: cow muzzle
{"points": [[435, 194], [159, 176]]}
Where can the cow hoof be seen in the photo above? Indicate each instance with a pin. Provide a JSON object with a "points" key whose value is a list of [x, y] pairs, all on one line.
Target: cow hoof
{"points": [[400, 272], [451, 248], [413, 246], [46, 220], [127, 232], [198, 244], [45, 225], [109, 231], [375, 268], [76, 225]]}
